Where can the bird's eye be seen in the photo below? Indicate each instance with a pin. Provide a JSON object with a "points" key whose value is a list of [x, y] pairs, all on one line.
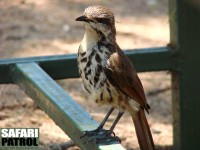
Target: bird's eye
{"points": [[103, 20]]}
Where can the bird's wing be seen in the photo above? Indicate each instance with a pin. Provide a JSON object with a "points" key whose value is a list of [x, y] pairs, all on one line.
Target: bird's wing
{"points": [[121, 73]]}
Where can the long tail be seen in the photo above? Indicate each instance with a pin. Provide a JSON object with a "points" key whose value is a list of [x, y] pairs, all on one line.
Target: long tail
{"points": [[143, 131]]}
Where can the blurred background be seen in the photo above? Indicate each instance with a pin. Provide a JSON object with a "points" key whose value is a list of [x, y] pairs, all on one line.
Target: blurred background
{"points": [[48, 27]]}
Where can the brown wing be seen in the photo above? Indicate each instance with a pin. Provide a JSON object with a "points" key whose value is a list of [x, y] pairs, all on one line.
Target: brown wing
{"points": [[122, 74]]}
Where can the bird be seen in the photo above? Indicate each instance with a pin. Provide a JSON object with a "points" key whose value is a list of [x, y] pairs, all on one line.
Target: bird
{"points": [[109, 76]]}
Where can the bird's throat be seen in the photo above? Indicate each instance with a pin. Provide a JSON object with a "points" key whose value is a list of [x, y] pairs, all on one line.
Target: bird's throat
{"points": [[90, 39]]}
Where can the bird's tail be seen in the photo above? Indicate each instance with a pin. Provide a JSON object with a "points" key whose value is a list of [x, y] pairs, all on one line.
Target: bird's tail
{"points": [[143, 131]]}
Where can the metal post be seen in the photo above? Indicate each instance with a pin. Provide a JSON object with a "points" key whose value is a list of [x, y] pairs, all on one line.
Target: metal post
{"points": [[185, 38]]}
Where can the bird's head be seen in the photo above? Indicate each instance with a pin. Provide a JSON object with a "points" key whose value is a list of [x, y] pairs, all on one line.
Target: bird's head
{"points": [[100, 19]]}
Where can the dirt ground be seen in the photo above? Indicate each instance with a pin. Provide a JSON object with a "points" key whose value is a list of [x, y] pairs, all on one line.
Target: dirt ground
{"points": [[48, 27]]}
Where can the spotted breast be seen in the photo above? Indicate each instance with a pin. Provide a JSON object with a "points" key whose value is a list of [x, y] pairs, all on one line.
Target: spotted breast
{"points": [[91, 63]]}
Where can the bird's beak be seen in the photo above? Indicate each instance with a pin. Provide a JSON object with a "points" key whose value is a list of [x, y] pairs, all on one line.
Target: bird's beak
{"points": [[82, 18]]}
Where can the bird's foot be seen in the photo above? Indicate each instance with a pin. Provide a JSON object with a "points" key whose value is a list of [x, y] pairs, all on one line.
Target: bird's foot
{"points": [[97, 132], [100, 136], [107, 140], [92, 133]]}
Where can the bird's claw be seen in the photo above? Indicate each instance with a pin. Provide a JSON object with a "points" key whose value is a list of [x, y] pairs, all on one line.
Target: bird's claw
{"points": [[100, 136], [108, 140], [93, 133], [89, 133], [103, 141]]}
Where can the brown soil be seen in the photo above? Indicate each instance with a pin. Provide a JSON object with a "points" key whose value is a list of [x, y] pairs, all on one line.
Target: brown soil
{"points": [[47, 27]]}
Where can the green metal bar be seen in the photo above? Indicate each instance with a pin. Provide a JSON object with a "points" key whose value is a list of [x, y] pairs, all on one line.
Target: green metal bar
{"points": [[51, 98], [58, 66], [65, 66], [185, 35], [153, 59]]}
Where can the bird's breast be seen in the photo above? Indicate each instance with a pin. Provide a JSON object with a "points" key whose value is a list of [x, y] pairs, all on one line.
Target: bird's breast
{"points": [[91, 65]]}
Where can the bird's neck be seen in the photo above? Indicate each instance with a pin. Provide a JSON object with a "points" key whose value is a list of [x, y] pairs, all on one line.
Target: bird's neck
{"points": [[90, 39], [93, 37]]}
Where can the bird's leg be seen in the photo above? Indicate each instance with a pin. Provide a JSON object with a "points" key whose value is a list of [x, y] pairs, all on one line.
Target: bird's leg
{"points": [[107, 137], [116, 120], [105, 119], [109, 132], [100, 129]]}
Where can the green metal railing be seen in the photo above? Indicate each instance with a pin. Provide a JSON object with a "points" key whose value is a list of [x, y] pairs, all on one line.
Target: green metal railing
{"points": [[65, 112], [181, 57], [33, 76], [65, 66]]}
